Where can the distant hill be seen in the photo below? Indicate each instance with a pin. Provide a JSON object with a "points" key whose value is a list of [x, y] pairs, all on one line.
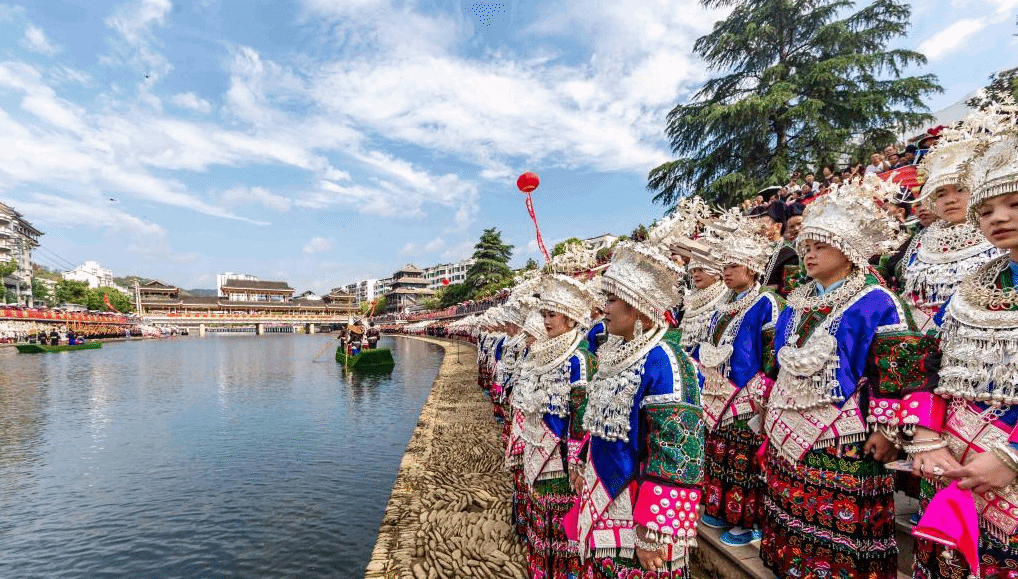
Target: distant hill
{"points": [[200, 293], [128, 281]]}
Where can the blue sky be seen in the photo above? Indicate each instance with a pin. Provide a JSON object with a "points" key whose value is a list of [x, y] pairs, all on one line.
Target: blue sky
{"points": [[325, 141]]}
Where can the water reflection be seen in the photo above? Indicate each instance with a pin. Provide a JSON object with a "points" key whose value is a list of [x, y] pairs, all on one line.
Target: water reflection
{"points": [[219, 457]]}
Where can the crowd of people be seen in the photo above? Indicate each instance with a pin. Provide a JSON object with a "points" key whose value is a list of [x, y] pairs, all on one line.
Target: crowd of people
{"points": [[17, 332], [776, 370]]}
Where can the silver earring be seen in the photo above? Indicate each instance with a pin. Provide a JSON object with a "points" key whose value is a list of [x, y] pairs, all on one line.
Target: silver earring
{"points": [[638, 329]]}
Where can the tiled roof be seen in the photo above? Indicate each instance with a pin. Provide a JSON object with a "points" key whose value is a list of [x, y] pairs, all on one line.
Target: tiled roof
{"points": [[257, 285]]}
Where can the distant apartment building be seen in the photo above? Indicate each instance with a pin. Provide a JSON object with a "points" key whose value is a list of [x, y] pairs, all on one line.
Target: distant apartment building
{"points": [[223, 278], [91, 273], [364, 290], [17, 240], [243, 290], [600, 242], [453, 272]]}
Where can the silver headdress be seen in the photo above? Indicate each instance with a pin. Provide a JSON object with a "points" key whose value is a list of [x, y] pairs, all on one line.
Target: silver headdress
{"points": [[643, 277], [534, 326], [993, 170], [735, 238], [944, 163], [682, 223], [567, 296], [575, 259], [850, 219]]}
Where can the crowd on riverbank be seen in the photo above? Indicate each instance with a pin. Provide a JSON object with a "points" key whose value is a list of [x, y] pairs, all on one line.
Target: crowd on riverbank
{"points": [[775, 371]]}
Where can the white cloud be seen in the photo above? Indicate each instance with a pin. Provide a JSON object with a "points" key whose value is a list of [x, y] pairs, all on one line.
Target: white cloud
{"points": [[259, 195], [435, 245], [134, 22], [410, 248], [944, 42], [318, 245], [189, 100], [36, 40]]}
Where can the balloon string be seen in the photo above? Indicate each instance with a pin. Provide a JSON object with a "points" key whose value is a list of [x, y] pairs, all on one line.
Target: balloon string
{"points": [[533, 217]]}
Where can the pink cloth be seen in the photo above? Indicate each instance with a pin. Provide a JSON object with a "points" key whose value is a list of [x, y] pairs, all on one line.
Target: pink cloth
{"points": [[951, 520], [571, 521]]}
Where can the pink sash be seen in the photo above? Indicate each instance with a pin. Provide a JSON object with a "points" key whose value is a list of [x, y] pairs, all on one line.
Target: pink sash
{"points": [[951, 520]]}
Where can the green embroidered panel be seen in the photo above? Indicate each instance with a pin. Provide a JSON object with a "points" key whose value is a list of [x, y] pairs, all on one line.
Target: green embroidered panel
{"points": [[675, 443]]}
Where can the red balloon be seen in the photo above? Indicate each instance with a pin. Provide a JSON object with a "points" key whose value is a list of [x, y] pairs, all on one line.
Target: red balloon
{"points": [[527, 182], [445, 281]]}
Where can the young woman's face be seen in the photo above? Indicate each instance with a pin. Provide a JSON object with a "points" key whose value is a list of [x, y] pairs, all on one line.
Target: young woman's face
{"points": [[738, 277], [555, 323], [824, 261], [619, 317], [950, 203], [998, 220], [702, 279]]}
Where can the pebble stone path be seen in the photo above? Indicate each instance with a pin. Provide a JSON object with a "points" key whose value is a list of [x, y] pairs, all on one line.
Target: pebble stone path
{"points": [[449, 512]]}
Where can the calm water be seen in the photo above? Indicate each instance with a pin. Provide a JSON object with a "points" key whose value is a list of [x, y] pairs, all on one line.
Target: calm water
{"points": [[226, 456]]}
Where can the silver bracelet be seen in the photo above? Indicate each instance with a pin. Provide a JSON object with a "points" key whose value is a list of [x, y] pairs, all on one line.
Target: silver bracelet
{"points": [[647, 546], [921, 446], [1006, 454]]}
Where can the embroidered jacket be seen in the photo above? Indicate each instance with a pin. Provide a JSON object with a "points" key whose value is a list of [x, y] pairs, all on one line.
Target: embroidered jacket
{"points": [[741, 350], [842, 370], [645, 458], [595, 336], [973, 399], [546, 421], [784, 272]]}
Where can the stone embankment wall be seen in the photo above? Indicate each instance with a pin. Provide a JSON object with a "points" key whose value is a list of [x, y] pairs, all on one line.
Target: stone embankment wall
{"points": [[449, 512]]}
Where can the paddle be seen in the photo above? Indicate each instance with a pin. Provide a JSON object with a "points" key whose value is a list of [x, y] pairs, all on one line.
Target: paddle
{"points": [[322, 351]]}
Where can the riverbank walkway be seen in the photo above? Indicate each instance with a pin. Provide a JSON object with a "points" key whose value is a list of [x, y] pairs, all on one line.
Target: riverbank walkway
{"points": [[449, 512], [448, 515]]}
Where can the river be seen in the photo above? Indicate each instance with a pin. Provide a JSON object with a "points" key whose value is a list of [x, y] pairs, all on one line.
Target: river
{"points": [[225, 456]]}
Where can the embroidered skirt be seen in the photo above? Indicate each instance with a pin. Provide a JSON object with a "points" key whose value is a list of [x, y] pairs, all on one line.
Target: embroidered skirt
{"points": [[732, 480], [629, 568], [521, 502], [829, 516], [550, 555]]}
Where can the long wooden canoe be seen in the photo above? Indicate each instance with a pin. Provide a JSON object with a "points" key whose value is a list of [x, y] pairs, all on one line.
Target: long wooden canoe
{"points": [[40, 349], [377, 359]]}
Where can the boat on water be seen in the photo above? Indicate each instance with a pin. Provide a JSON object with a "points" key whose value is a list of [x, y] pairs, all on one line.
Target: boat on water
{"points": [[41, 349], [377, 359]]}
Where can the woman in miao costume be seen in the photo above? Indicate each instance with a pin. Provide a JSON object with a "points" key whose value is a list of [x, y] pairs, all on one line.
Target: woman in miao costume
{"points": [[735, 357], [533, 331], [677, 233], [543, 397], [516, 308], [639, 485], [951, 248], [971, 418], [699, 303], [847, 352]]}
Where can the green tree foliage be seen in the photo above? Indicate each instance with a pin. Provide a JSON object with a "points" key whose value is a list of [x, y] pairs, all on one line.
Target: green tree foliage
{"points": [[119, 300], [71, 291], [530, 265], [491, 263], [640, 233], [560, 247], [453, 294], [7, 268], [40, 292], [805, 82], [1002, 84], [380, 305]]}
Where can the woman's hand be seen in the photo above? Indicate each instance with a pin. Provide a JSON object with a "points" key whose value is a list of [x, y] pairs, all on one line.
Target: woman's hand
{"points": [[985, 473], [651, 560], [576, 479], [882, 449], [934, 464]]}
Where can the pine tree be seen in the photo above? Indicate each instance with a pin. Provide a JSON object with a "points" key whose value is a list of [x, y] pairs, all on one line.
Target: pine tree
{"points": [[491, 261], [1003, 84], [806, 83]]}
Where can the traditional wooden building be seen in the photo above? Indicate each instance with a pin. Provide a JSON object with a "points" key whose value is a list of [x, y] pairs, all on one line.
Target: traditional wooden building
{"points": [[409, 287], [157, 298]]}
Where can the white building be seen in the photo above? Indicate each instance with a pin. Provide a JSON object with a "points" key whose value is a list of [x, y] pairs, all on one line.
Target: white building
{"points": [[600, 242], [17, 240], [454, 272], [91, 273], [222, 278], [364, 290]]}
